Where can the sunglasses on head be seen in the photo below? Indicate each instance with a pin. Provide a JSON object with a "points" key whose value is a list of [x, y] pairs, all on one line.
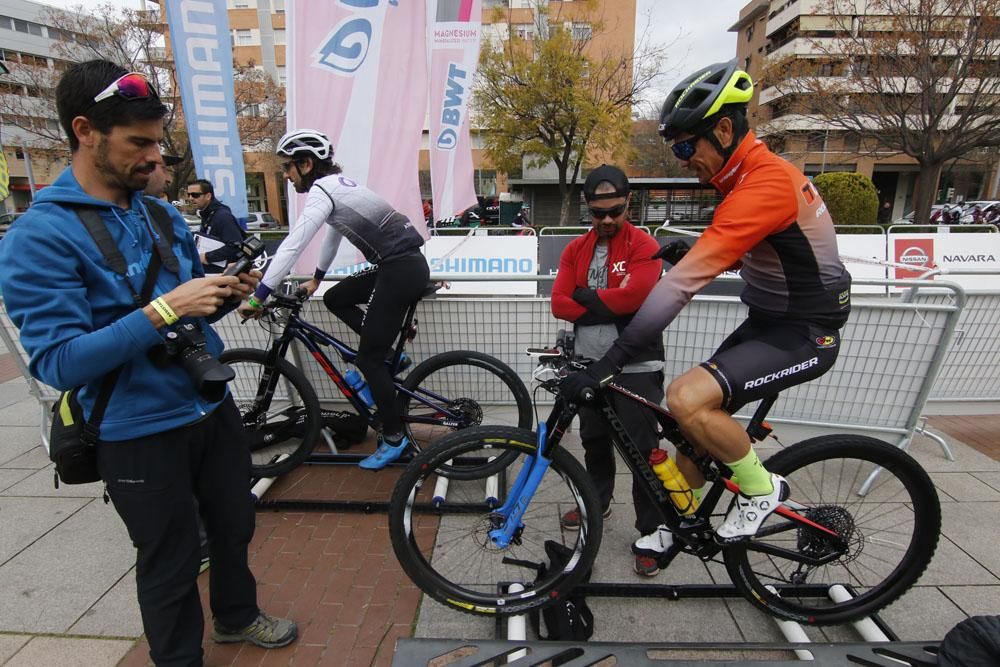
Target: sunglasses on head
{"points": [[132, 86], [685, 150], [601, 213]]}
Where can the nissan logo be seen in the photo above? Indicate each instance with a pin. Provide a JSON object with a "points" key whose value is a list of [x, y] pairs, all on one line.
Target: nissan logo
{"points": [[914, 255]]}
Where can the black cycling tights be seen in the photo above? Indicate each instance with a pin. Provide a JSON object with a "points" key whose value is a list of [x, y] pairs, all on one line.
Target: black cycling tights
{"points": [[389, 289]]}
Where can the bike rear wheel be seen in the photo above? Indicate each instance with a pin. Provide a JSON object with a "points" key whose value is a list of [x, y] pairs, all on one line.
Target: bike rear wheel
{"points": [[888, 535], [477, 389], [280, 411], [444, 546]]}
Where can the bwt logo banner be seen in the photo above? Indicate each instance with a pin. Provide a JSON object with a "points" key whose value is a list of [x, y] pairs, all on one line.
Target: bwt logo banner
{"points": [[454, 103], [346, 48]]}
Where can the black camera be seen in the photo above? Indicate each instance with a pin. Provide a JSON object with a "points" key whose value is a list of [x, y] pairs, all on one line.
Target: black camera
{"points": [[251, 248], [185, 345]]}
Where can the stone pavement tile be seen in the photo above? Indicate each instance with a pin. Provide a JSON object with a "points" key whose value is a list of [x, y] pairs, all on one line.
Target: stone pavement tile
{"points": [[963, 487], [34, 458], [651, 620], [40, 484], [952, 565], [923, 613], [11, 476], [17, 441], [930, 455], [15, 390], [21, 413], [437, 621], [25, 521], [964, 524], [752, 624], [975, 600], [11, 644], [116, 614], [49, 585], [991, 478], [67, 652]]}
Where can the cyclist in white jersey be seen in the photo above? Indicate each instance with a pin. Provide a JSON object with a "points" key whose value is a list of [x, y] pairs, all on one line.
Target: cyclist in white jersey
{"points": [[396, 279]]}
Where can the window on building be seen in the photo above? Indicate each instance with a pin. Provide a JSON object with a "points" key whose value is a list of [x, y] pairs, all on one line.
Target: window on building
{"points": [[282, 75], [582, 31], [244, 38], [279, 36], [852, 142], [525, 30], [21, 26], [278, 5], [750, 32], [816, 142], [6, 23], [19, 153]]}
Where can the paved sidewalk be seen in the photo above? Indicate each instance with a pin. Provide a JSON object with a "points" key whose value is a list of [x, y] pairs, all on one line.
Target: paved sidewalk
{"points": [[66, 565]]}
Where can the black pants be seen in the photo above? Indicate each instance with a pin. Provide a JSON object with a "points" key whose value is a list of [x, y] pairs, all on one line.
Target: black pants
{"points": [[154, 483], [599, 453], [388, 289]]}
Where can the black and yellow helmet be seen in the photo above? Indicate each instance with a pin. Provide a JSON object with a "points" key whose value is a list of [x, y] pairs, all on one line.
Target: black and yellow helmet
{"points": [[702, 95]]}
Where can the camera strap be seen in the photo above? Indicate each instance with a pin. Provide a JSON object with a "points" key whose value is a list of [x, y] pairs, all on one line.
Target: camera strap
{"points": [[95, 226]]}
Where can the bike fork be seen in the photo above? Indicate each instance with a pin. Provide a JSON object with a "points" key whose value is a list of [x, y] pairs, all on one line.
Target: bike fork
{"points": [[528, 479]]}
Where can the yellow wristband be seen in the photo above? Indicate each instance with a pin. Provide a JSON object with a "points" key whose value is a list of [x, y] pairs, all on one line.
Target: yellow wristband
{"points": [[165, 311]]}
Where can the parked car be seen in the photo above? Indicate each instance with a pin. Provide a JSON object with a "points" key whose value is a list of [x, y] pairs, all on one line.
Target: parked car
{"points": [[257, 221]]}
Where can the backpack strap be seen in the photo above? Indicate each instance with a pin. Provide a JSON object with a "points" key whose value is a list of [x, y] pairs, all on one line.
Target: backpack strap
{"points": [[164, 238], [91, 219]]}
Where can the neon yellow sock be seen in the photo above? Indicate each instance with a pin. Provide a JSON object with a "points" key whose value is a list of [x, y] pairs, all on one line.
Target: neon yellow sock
{"points": [[697, 493], [751, 475]]}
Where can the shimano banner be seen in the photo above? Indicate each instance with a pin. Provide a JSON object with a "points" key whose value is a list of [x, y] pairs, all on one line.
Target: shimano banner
{"points": [[203, 57], [454, 28], [358, 72]]}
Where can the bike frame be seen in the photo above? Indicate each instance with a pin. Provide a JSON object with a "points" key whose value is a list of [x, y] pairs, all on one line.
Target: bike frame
{"points": [[693, 531], [312, 338]]}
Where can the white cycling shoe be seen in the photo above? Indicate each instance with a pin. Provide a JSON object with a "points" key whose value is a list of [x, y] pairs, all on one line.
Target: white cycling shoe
{"points": [[749, 512]]}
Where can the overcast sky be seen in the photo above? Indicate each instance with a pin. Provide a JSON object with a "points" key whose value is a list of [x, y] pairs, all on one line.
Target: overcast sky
{"points": [[694, 31]]}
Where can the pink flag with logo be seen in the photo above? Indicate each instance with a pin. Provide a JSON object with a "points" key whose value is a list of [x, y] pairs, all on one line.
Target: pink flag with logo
{"points": [[357, 70], [454, 28]]}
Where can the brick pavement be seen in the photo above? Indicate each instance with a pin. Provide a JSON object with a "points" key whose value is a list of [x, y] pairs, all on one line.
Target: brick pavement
{"points": [[334, 573]]}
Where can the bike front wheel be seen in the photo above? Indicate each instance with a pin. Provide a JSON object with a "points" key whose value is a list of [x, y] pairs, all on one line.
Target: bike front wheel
{"points": [[280, 411], [885, 538], [457, 390], [442, 539]]}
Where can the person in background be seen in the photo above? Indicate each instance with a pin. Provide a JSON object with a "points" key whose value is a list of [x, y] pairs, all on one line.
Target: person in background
{"points": [[217, 223], [604, 276], [161, 179], [164, 449]]}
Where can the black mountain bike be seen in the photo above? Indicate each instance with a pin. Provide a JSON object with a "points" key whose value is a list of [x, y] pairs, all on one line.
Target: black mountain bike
{"points": [[447, 392], [465, 547]]}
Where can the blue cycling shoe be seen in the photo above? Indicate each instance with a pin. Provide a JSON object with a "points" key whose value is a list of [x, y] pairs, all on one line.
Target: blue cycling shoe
{"points": [[385, 454]]}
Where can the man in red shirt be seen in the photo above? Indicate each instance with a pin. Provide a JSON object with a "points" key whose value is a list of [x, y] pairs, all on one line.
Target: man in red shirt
{"points": [[604, 276], [773, 224]]}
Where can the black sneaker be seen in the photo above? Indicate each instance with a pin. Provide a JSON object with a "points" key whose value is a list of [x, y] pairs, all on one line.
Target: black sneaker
{"points": [[266, 631], [571, 519]]}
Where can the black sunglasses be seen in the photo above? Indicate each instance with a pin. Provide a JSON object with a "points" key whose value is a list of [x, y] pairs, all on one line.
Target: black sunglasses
{"points": [[195, 195], [601, 213], [685, 150]]}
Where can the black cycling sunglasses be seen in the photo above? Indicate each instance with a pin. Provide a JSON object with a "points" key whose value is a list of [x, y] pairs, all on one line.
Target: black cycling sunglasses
{"points": [[685, 150], [601, 213]]}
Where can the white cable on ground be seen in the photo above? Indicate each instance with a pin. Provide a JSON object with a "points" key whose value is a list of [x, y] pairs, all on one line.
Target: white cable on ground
{"points": [[263, 484], [866, 626], [794, 633]]}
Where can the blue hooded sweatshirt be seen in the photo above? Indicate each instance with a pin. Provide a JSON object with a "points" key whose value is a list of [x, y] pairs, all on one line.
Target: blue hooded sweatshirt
{"points": [[77, 317]]}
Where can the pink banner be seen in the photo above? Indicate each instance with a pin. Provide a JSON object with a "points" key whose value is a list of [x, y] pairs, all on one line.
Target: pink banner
{"points": [[454, 28], [357, 70]]}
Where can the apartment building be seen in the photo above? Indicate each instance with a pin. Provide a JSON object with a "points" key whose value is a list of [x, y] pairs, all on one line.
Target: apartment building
{"points": [[802, 30], [26, 50]]}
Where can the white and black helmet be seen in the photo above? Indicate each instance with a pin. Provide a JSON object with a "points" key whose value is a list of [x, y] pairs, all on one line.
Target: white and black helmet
{"points": [[302, 143]]}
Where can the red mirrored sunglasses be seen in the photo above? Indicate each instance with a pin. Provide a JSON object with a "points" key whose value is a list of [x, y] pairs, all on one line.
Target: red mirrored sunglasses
{"points": [[132, 86]]}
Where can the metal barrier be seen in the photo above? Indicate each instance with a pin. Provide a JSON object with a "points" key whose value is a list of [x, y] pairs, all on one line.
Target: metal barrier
{"points": [[891, 352]]}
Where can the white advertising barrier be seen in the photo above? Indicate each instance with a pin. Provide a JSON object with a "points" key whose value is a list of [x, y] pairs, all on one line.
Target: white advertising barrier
{"points": [[494, 256], [952, 252], [870, 247]]}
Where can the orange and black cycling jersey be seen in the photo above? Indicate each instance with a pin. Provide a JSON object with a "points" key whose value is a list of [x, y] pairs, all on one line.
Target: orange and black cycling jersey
{"points": [[774, 225]]}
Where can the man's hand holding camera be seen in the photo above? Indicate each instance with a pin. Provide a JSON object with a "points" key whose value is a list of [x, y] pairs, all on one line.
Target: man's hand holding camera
{"points": [[201, 297]]}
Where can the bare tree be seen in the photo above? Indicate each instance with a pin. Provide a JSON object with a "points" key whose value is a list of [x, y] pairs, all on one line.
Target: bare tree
{"points": [[916, 77], [549, 94]]}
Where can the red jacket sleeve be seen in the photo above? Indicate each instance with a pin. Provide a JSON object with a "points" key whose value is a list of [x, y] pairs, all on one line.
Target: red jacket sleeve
{"points": [[563, 305], [643, 272]]}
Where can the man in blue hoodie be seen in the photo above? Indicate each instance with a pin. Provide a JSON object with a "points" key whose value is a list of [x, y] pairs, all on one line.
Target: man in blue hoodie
{"points": [[162, 445]]}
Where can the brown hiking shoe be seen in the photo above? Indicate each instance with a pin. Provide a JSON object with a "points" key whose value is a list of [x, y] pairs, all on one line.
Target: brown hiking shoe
{"points": [[571, 519], [266, 631]]}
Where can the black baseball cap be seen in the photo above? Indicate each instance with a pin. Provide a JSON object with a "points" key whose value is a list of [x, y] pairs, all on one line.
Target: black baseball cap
{"points": [[613, 175], [171, 160]]}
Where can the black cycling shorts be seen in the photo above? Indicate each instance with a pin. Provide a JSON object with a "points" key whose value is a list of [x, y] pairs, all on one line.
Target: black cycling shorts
{"points": [[760, 359]]}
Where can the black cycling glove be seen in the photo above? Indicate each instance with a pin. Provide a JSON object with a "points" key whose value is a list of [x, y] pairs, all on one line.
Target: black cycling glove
{"points": [[673, 252], [593, 377]]}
